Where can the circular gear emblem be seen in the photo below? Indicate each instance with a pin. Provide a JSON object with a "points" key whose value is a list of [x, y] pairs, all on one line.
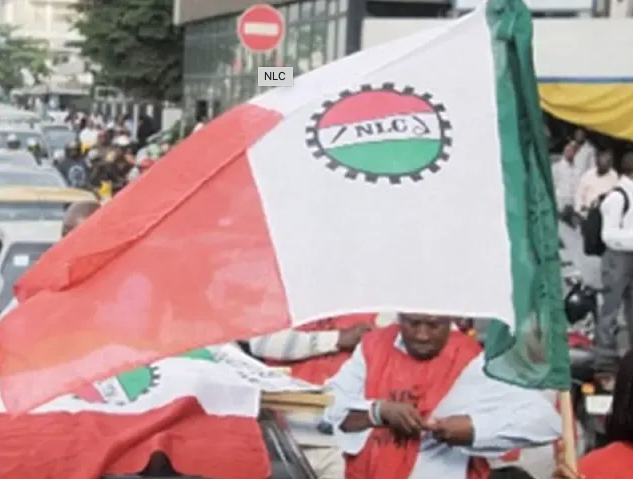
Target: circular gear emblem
{"points": [[381, 132], [122, 389]]}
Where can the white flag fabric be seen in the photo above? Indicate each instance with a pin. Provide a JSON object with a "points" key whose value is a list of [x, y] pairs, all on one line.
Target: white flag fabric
{"points": [[224, 380], [411, 176]]}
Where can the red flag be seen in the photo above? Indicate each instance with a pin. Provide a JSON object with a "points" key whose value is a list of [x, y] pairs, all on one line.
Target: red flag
{"points": [[176, 261], [86, 445]]}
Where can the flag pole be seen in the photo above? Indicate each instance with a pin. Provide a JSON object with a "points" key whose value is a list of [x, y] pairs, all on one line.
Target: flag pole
{"points": [[569, 436]]}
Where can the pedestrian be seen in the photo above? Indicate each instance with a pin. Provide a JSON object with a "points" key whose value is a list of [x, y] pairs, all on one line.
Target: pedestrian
{"points": [[566, 176], [617, 273], [596, 182], [413, 401], [585, 157]]}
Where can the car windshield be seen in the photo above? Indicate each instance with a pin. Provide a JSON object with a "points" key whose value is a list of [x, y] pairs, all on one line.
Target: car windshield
{"points": [[19, 257], [17, 158], [28, 178], [58, 137], [23, 137], [32, 211]]}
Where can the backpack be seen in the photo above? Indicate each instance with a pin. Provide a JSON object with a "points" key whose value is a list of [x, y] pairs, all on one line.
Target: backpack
{"points": [[591, 226]]}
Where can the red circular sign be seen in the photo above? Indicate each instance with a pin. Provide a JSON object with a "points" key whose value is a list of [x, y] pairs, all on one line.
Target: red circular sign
{"points": [[261, 28]]}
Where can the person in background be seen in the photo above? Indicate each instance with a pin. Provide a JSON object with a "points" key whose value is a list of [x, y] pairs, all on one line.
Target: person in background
{"points": [[13, 142], [73, 167], [413, 402], [615, 460], [35, 149], [315, 353], [596, 182], [617, 274], [88, 136], [566, 175], [585, 157]]}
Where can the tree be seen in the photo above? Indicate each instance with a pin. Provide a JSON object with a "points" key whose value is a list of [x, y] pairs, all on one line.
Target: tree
{"points": [[18, 54], [134, 44]]}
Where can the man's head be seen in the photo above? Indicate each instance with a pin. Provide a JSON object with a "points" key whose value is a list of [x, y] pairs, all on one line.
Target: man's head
{"points": [[76, 214], [580, 136], [627, 164], [604, 162], [13, 142], [570, 151], [73, 150], [423, 335]]}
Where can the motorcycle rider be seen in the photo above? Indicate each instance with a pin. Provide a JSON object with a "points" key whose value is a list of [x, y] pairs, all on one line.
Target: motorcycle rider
{"points": [[13, 142], [73, 167], [35, 149]]}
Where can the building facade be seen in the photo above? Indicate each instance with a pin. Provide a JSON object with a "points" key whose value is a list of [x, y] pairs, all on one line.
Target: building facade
{"points": [[49, 20], [219, 73]]}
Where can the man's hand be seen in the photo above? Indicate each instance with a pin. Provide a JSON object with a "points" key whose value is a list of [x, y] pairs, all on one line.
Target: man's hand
{"points": [[402, 418], [563, 471], [348, 339], [452, 430]]}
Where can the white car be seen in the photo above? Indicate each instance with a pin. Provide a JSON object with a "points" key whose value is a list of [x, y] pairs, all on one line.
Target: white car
{"points": [[21, 245], [31, 177]]}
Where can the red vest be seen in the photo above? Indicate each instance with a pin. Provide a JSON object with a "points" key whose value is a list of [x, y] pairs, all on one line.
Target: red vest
{"points": [[319, 369], [614, 461], [396, 376]]}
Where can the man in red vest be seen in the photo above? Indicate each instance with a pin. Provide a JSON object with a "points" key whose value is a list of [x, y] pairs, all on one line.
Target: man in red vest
{"points": [[413, 403], [315, 353]]}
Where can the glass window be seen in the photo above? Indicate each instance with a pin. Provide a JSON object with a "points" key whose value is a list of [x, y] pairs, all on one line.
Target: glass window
{"points": [[320, 8], [333, 7], [342, 37], [18, 259]]}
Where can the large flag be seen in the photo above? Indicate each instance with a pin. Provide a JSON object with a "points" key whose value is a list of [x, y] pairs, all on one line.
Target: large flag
{"points": [[200, 409], [406, 177]]}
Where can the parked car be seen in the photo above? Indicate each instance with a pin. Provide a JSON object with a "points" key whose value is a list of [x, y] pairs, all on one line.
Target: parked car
{"points": [[39, 203], [20, 176], [57, 135], [24, 134], [21, 245], [17, 158]]}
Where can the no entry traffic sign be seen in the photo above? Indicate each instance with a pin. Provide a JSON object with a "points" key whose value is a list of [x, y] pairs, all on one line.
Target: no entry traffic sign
{"points": [[261, 28]]}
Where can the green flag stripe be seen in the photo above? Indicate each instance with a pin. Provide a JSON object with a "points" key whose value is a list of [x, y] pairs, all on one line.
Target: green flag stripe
{"points": [[388, 157]]}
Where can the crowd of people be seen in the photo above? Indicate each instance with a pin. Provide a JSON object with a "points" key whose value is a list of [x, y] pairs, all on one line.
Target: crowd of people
{"points": [[586, 181], [107, 155]]}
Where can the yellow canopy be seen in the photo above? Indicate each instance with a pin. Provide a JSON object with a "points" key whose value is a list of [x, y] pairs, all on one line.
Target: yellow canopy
{"points": [[603, 106]]}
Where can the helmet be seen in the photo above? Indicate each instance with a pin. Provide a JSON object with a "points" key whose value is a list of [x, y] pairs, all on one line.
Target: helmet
{"points": [[580, 301], [13, 142], [73, 149], [122, 141], [58, 156], [33, 145], [93, 156]]}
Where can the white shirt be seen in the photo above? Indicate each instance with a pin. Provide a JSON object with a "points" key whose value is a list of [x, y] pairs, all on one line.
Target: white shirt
{"points": [[617, 228], [585, 157], [566, 180], [88, 137], [592, 186], [504, 417]]}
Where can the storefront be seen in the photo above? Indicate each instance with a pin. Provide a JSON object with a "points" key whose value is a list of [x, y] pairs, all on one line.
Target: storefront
{"points": [[219, 73]]}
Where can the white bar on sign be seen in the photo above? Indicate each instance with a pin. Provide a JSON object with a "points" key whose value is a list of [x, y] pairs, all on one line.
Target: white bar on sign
{"points": [[598, 405], [263, 29]]}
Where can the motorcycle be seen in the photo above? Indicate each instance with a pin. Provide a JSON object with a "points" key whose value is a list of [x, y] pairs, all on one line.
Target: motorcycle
{"points": [[590, 405]]}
